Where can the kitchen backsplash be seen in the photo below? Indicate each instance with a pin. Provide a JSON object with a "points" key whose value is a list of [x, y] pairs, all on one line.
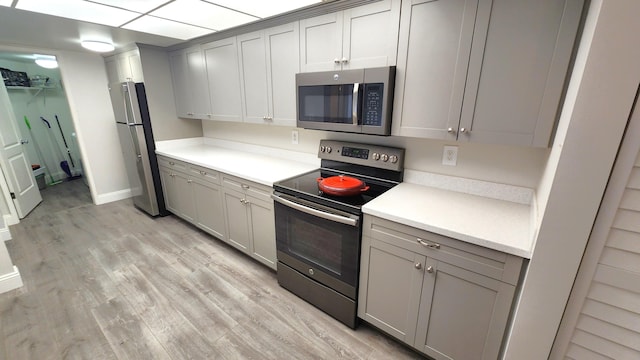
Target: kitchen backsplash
{"points": [[511, 165]]}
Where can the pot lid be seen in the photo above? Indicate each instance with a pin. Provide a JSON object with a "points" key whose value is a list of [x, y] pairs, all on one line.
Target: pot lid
{"points": [[341, 182]]}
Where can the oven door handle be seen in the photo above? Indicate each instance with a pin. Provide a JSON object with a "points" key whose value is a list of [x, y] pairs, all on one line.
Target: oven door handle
{"points": [[311, 211]]}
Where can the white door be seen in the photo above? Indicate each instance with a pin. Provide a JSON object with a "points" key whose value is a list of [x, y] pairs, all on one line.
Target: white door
{"points": [[14, 162]]}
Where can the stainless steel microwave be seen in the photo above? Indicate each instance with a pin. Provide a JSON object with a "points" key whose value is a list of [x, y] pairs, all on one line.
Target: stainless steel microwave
{"points": [[356, 101]]}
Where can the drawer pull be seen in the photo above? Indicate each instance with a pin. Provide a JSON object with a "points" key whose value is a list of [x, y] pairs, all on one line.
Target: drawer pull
{"points": [[171, 163], [430, 269], [246, 187], [418, 266], [431, 246]]}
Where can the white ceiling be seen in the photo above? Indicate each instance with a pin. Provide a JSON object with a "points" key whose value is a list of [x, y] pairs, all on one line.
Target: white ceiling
{"points": [[62, 24]]}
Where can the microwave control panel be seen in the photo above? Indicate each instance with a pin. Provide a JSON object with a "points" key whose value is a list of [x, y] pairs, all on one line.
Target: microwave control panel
{"points": [[372, 109]]}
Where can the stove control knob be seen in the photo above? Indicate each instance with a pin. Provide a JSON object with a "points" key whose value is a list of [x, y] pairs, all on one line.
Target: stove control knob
{"points": [[322, 148], [328, 149], [376, 156], [393, 159], [384, 157]]}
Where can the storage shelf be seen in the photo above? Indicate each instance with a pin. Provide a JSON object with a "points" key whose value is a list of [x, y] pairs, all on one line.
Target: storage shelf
{"points": [[31, 87]]}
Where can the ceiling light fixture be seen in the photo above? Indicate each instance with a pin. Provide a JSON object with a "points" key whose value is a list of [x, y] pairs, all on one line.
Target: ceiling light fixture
{"points": [[98, 46], [46, 61]]}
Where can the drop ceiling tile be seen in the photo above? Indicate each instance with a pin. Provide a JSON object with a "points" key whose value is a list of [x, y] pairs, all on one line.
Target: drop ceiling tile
{"points": [[164, 27], [262, 8], [203, 14], [141, 6], [79, 10]]}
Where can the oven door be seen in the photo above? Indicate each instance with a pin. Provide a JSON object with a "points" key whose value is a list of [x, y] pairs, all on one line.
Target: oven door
{"points": [[319, 242]]}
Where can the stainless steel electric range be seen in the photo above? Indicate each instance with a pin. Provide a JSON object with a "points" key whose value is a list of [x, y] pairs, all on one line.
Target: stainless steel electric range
{"points": [[319, 222]]}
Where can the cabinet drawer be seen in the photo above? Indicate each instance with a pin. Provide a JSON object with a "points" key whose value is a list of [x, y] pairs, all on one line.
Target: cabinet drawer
{"points": [[248, 188], [205, 174], [488, 262], [172, 164]]}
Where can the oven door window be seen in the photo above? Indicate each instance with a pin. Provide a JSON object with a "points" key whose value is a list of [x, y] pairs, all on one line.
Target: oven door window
{"points": [[323, 244], [326, 103]]}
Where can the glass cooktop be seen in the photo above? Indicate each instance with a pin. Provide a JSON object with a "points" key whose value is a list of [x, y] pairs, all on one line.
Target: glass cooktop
{"points": [[306, 186]]}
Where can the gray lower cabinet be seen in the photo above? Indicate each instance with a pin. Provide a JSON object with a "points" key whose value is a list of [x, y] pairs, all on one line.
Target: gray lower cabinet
{"points": [[194, 194], [444, 297], [249, 218]]}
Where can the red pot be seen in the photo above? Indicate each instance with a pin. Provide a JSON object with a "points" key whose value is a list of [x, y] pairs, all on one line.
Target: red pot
{"points": [[342, 185]]}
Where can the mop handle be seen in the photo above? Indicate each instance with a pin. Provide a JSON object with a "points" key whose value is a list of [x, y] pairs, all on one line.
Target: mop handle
{"points": [[61, 133]]}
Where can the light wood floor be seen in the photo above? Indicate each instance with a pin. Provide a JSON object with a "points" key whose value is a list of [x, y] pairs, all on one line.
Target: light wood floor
{"points": [[109, 282]]}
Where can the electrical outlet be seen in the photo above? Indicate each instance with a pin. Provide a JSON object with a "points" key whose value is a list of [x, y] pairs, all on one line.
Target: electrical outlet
{"points": [[450, 155], [294, 137]]}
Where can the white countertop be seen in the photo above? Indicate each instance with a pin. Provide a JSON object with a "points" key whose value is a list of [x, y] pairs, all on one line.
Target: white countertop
{"points": [[500, 220], [252, 166], [497, 224]]}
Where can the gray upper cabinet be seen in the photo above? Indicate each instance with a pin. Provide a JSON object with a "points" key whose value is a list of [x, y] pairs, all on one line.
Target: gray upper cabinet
{"points": [[516, 81], [191, 89], [364, 36], [483, 70], [223, 76], [433, 57], [269, 60], [123, 67]]}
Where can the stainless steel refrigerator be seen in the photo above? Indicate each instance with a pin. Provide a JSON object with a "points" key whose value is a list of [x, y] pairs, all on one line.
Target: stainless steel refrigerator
{"points": [[130, 107]]}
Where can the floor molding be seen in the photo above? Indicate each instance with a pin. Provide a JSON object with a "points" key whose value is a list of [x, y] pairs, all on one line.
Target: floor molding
{"points": [[10, 281]]}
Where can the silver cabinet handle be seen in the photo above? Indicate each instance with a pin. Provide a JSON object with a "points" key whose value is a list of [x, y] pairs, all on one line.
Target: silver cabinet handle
{"points": [[190, 113], [23, 141], [171, 163], [418, 266], [344, 60], [430, 269], [336, 60], [431, 246], [450, 130], [189, 181], [246, 187], [464, 130]]}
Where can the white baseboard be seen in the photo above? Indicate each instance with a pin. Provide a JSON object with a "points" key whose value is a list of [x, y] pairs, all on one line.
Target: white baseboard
{"points": [[5, 234], [10, 281], [112, 196]]}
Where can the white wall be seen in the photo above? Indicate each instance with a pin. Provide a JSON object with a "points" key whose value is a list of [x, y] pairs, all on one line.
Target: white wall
{"points": [[85, 80], [597, 107], [520, 166]]}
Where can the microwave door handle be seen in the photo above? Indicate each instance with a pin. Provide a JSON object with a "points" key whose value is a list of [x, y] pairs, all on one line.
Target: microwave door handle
{"points": [[354, 105]]}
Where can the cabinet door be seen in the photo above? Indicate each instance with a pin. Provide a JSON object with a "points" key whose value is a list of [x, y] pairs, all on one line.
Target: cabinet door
{"points": [[169, 189], [209, 208], [370, 35], [516, 80], [283, 63], [390, 283], [263, 231], [321, 43], [112, 70], [462, 314], [253, 77], [237, 220], [433, 56], [197, 85], [134, 65], [179, 77], [223, 75], [185, 204]]}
